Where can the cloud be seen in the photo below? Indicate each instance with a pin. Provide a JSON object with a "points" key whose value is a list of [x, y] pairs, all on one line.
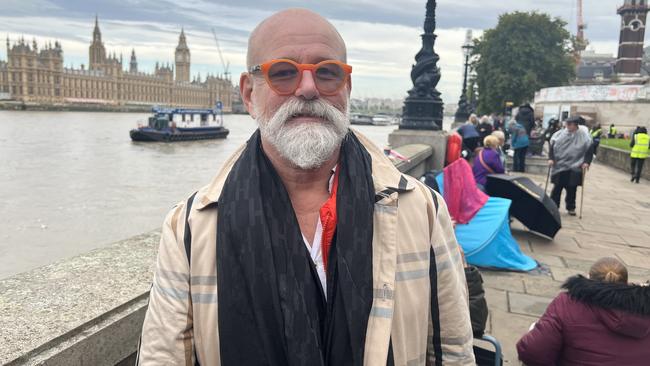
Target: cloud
{"points": [[382, 37]]}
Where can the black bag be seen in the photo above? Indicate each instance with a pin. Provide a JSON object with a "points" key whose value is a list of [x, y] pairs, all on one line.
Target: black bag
{"points": [[478, 309]]}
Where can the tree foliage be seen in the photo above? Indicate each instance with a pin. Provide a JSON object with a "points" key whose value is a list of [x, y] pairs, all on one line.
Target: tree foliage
{"points": [[524, 53]]}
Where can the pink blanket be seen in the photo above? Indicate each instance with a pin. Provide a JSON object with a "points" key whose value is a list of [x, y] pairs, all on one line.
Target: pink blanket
{"points": [[461, 195]]}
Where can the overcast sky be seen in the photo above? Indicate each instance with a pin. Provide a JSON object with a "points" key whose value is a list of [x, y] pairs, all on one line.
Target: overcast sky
{"points": [[382, 36]]}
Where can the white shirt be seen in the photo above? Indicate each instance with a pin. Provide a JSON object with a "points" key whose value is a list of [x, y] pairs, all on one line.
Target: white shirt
{"points": [[316, 253]]}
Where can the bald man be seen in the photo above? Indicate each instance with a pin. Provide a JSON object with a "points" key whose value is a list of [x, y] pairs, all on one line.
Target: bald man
{"points": [[297, 252]]}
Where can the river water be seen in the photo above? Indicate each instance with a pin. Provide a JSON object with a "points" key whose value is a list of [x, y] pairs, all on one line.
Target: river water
{"points": [[71, 182]]}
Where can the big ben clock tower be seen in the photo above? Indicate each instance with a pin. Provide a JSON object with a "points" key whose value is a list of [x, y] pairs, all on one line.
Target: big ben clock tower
{"points": [[630, 48], [182, 57]]}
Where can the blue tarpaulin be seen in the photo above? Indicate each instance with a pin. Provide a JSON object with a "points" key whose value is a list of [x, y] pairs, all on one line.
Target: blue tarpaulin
{"points": [[487, 240]]}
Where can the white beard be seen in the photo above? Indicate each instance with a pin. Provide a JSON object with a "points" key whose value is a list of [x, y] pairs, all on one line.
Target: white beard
{"points": [[305, 145]]}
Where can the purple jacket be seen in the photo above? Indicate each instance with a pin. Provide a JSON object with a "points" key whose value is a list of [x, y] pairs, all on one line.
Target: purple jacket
{"points": [[593, 323], [492, 160]]}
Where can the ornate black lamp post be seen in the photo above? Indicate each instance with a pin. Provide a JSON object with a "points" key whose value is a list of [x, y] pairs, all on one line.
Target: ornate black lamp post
{"points": [[465, 108], [423, 107]]}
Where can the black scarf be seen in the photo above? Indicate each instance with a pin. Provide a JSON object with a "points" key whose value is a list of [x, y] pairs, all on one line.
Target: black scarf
{"points": [[272, 309]]}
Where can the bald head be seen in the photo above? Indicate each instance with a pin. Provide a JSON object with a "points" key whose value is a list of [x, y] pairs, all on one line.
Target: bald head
{"points": [[289, 32]]}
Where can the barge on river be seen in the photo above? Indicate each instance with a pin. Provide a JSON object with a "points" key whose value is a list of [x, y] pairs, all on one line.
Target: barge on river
{"points": [[170, 125]]}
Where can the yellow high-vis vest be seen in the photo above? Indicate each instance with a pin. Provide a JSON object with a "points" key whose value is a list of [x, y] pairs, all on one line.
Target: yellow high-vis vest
{"points": [[640, 150]]}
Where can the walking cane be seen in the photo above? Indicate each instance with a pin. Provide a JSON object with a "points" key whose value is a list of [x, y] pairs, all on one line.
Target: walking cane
{"points": [[548, 175], [582, 191]]}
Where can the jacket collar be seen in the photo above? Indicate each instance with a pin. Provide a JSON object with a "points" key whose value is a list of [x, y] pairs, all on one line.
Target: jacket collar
{"points": [[615, 296], [384, 174]]}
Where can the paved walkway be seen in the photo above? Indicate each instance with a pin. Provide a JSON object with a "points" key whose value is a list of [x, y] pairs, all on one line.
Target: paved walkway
{"points": [[615, 222]]}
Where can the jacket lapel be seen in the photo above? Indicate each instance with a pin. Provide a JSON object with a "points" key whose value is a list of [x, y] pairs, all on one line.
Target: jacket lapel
{"points": [[384, 261]]}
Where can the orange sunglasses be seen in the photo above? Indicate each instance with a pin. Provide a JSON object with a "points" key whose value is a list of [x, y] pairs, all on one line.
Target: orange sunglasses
{"points": [[284, 76]]}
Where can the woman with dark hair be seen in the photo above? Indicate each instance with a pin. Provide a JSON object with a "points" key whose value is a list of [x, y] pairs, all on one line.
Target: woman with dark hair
{"points": [[601, 320]]}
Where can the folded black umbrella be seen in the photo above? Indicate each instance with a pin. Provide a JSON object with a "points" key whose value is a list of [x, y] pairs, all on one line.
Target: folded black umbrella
{"points": [[530, 204]]}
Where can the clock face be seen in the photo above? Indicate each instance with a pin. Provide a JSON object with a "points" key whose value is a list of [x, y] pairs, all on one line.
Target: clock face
{"points": [[635, 25]]}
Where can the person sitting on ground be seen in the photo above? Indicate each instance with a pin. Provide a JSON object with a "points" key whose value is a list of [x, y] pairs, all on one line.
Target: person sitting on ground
{"points": [[487, 161], [501, 148], [570, 155], [601, 320]]}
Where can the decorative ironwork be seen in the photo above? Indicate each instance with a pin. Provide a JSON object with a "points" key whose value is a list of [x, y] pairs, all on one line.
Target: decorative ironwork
{"points": [[423, 107], [465, 108]]}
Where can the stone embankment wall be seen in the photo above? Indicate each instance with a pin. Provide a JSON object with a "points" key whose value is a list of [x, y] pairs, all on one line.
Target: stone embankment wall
{"points": [[619, 159]]}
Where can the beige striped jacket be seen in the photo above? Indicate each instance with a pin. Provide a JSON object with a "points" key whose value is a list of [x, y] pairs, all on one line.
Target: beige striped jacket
{"points": [[420, 305]]}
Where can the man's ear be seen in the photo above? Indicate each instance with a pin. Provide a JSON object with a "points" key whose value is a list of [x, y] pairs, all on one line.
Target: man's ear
{"points": [[246, 91], [349, 85]]}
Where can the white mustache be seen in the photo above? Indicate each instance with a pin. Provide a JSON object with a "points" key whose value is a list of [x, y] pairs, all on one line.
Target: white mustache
{"points": [[317, 108], [305, 145]]}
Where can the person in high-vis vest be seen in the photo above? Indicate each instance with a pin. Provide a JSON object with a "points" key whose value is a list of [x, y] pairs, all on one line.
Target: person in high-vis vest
{"points": [[640, 145], [612, 131], [596, 133]]}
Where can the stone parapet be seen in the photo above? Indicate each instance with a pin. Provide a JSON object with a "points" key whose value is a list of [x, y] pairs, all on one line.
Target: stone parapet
{"points": [[418, 155], [437, 140], [619, 159], [85, 310]]}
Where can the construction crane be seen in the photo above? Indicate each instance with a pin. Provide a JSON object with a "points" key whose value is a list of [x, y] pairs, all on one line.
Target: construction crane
{"points": [[226, 65], [581, 42]]}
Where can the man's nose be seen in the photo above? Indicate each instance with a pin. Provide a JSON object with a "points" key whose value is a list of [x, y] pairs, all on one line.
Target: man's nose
{"points": [[307, 87]]}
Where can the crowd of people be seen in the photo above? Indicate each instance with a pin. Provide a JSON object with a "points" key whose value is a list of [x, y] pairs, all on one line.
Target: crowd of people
{"points": [[571, 147]]}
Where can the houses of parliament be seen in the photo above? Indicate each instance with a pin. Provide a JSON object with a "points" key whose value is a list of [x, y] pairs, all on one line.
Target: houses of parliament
{"points": [[34, 75]]}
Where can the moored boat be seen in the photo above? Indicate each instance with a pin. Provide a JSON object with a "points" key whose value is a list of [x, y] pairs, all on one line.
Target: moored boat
{"points": [[382, 120], [163, 126], [360, 119]]}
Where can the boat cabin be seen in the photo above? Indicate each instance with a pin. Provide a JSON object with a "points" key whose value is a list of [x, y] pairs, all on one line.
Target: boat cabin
{"points": [[163, 118]]}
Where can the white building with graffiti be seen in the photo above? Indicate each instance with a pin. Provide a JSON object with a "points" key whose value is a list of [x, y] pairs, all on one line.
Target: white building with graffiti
{"points": [[627, 106]]}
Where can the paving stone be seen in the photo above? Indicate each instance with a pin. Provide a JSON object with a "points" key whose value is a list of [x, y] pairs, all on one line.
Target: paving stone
{"points": [[631, 225], [637, 241], [524, 246], [607, 227], [586, 237], [579, 264], [496, 299], [549, 260], [542, 286], [635, 258], [560, 274], [578, 252], [524, 304], [503, 281], [508, 328], [637, 272]]}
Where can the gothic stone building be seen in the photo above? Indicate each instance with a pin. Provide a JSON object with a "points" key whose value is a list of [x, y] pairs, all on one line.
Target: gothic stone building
{"points": [[37, 76]]}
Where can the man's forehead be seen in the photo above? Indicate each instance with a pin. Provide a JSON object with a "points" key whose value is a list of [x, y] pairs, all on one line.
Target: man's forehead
{"points": [[293, 45], [294, 30]]}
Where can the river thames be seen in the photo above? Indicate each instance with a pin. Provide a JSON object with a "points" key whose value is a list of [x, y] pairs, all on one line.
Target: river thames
{"points": [[71, 182]]}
